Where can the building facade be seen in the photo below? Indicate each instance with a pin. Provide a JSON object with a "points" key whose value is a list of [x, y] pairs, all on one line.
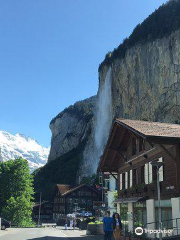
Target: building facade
{"points": [[109, 192], [46, 212], [131, 148], [75, 199]]}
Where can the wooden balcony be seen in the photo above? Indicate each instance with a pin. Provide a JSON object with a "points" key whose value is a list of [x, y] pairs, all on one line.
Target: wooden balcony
{"points": [[139, 190]]}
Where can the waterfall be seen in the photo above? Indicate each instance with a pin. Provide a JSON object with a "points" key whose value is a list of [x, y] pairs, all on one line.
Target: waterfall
{"points": [[103, 117], [102, 125]]}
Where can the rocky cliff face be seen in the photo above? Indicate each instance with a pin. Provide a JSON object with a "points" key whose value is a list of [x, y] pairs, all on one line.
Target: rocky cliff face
{"points": [[145, 85], [71, 127], [138, 80], [146, 82]]}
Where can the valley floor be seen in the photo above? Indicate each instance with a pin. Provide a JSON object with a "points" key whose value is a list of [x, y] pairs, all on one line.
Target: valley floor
{"points": [[45, 234]]}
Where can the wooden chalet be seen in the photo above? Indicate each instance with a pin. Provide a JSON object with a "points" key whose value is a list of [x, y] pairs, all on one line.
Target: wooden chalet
{"points": [[68, 200], [46, 212], [131, 146]]}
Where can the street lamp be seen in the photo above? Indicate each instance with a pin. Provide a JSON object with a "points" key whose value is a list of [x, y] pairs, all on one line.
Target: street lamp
{"points": [[158, 165]]}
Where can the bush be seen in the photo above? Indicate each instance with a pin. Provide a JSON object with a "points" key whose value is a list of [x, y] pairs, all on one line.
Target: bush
{"points": [[96, 222]]}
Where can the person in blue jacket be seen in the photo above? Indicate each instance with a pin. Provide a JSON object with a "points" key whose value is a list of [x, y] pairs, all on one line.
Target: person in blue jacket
{"points": [[108, 226]]}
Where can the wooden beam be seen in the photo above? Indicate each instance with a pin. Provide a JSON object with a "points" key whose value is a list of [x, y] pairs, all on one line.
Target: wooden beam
{"points": [[113, 176], [168, 153], [142, 154], [151, 143], [119, 153]]}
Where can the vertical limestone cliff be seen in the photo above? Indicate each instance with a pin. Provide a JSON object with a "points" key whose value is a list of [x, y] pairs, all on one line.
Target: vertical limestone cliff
{"points": [[71, 127], [146, 82]]}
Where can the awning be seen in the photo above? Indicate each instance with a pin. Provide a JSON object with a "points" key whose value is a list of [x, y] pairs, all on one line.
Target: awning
{"points": [[129, 200]]}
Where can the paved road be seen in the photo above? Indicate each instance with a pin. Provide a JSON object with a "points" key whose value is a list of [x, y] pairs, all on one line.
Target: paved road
{"points": [[45, 234]]}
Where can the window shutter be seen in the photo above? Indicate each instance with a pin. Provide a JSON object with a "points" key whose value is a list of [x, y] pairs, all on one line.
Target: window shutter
{"points": [[150, 172], [120, 181], [161, 171], [146, 173], [126, 180], [130, 178]]}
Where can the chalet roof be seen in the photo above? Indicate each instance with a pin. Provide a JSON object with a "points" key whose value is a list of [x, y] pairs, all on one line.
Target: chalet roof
{"points": [[63, 188], [156, 129], [121, 133], [78, 187]]}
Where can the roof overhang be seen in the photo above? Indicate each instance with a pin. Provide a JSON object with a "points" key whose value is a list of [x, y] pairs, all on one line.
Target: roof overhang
{"points": [[123, 130], [130, 200]]}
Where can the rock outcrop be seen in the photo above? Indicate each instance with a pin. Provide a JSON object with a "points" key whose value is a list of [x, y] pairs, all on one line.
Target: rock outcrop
{"points": [[71, 127], [146, 82]]}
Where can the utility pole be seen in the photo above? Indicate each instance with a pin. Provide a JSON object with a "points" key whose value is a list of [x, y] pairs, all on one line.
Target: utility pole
{"points": [[39, 218], [159, 204], [158, 165]]}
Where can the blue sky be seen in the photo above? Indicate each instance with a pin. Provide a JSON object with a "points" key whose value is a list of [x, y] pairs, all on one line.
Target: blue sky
{"points": [[50, 51]]}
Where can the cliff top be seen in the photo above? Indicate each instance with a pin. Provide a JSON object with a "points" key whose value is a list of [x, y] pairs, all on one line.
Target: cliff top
{"points": [[80, 108], [161, 23]]}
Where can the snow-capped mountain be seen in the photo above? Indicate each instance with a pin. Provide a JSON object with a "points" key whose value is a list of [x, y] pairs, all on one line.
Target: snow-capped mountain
{"points": [[19, 145]]}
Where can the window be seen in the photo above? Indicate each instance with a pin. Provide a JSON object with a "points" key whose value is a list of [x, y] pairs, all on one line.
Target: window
{"points": [[133, 146], [100, 179], [106, 183], [148, 173], [116, 185], [142, 174], [126, 180], [161, 171], [134, 177], [154, 173], [120, 180], [123, 180], [130, 179]]}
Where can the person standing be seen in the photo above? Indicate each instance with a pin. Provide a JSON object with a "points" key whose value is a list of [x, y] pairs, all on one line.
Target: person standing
{"points": [[108, 226], [71, 224], [117, 226], [66, 224], [74, 224]]}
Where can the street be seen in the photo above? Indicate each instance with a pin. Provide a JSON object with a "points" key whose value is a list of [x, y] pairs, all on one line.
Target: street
{"points": [[45, 234]]}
